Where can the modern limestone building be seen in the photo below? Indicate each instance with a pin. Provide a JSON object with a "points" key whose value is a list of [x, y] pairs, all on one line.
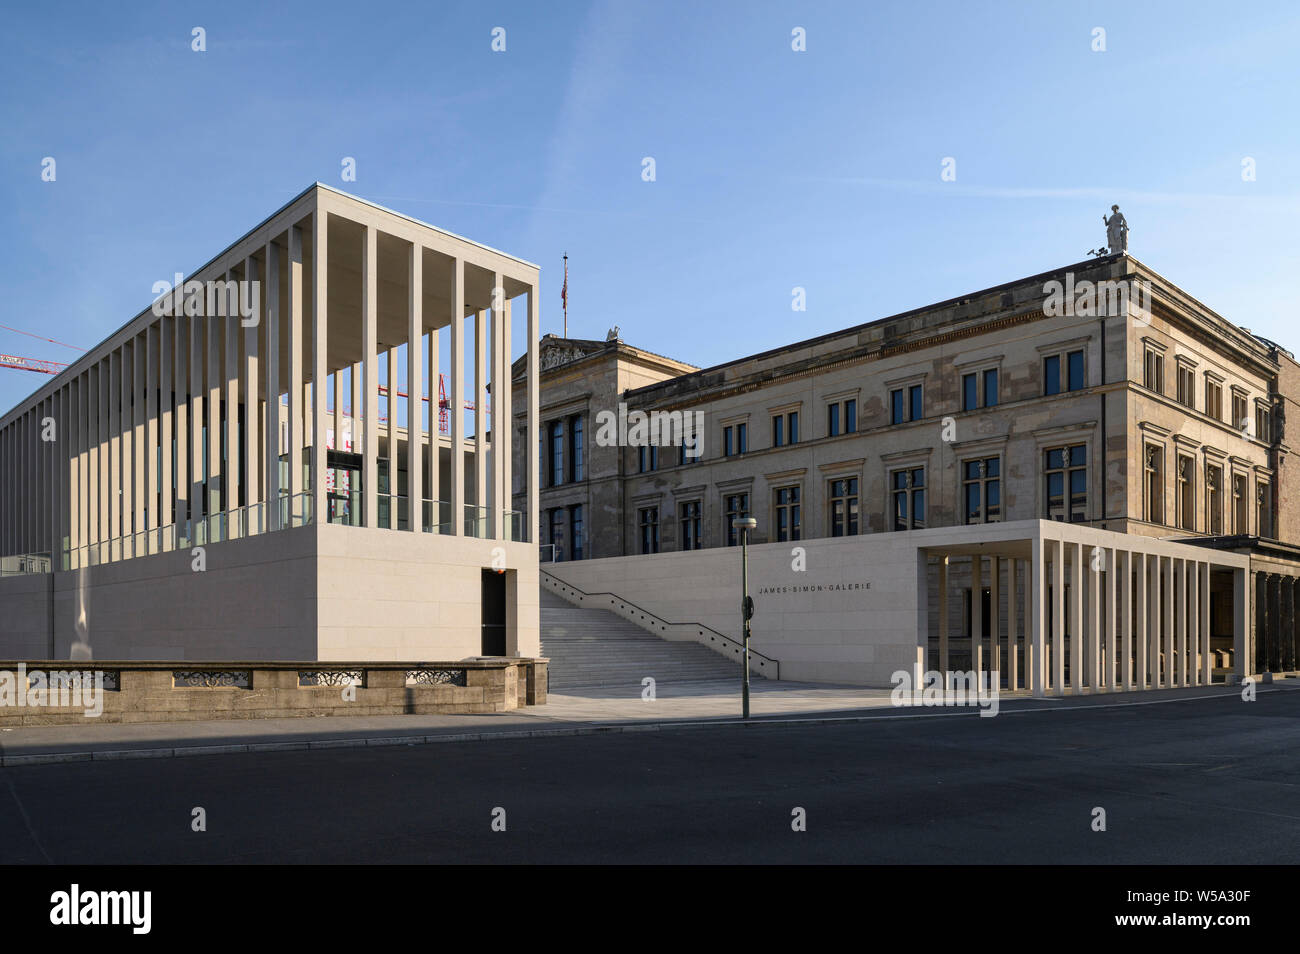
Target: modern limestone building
{"points": [[237, 474], [1090, 425]]}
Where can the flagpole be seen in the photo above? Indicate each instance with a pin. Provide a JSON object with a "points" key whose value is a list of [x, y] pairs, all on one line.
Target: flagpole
{"points": [[565, 297]]}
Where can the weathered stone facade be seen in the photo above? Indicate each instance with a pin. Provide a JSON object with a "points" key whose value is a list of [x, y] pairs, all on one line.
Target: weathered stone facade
{"points": [[1114, 413]]}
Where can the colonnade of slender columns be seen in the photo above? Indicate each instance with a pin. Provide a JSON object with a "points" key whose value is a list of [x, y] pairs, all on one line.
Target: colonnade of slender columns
{"points": [[171, 435], [1094, 618]]}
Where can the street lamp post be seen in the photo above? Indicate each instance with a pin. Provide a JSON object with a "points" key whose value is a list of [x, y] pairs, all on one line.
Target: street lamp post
{"points": [[744, 525]]}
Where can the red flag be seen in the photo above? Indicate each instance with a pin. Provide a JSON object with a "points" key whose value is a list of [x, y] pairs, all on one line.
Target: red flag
{"points": [[564, 292]]}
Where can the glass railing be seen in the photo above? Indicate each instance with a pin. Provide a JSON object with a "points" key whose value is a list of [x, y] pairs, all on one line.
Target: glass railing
{"points": [[476, 521], [265, 517], [247, 521]]}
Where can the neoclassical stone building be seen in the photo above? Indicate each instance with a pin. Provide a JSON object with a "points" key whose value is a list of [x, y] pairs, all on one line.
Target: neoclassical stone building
{"points": [[1098, 394]]}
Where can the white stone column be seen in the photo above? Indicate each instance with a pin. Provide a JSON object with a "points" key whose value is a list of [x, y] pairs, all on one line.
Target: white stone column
{"points": [[995, 623], [435, 429], [415, 388], [166, 429], [197, 332], [1036, 622], [153, 441], [480, 420], [534, 392], [504, 407], [114, 450], [1241, 663], [1013, 625], [1207, 663], [292, 344], [1058, 616], [128, 428], [1126, 619], [1095, 615], [943, 616], [180, 357], [1110, 624], [1193, 579], [253, 408], [977, 614], [320, 370], [370, 347], [456, 415], [233, 481], [1166, 628], [215, 327], [1077, 636]]}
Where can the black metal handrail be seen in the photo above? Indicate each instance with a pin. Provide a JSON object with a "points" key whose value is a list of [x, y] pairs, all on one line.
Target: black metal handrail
{"points": [[734, 645]]}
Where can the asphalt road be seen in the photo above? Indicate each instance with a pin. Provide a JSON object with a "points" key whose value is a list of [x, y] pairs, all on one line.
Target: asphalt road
{"points": [[1211, 781]]}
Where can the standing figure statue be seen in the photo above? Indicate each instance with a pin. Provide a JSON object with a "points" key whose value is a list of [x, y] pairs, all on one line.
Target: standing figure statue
{"points": [[1116, 231]]}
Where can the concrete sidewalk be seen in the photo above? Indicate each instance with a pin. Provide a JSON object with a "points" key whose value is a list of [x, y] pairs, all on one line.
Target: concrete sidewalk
{"points": [[574, 712]]}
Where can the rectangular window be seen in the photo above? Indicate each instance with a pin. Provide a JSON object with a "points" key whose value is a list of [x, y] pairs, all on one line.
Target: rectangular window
{"points": [[1153, 491], [648, 519], [787, 514], [915, 403], [1063, 372], [1153, 371], [690, 523], [1263, 510], [1214, 399], [733, 440], [1075, 362], [1186, 492], [575, 530], [557, 453], [907, 488], [1052, 374], [1186, 384], [557, 532], [1214, 500], [982, 490], [1263, 424], [785, 429], [1238, 410], [979, 389], [1239, 505], [844, 507], [1066, 474], [842, 417], [896, 406], [647, 459], [575, 446], [734, 506]]}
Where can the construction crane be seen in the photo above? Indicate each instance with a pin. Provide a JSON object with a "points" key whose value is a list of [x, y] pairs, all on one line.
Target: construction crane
{"points": [[30, 364], [54, 367]]}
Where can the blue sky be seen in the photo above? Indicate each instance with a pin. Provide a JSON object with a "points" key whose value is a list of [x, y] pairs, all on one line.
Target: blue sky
{"points": [[774, 168]]}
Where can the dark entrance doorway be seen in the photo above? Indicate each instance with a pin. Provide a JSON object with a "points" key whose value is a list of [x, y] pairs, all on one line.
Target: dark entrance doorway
{"points": [[494, 613]]}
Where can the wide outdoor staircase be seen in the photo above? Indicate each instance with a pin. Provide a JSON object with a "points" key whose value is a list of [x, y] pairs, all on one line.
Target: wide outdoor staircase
{"points": [[592, 648]]}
